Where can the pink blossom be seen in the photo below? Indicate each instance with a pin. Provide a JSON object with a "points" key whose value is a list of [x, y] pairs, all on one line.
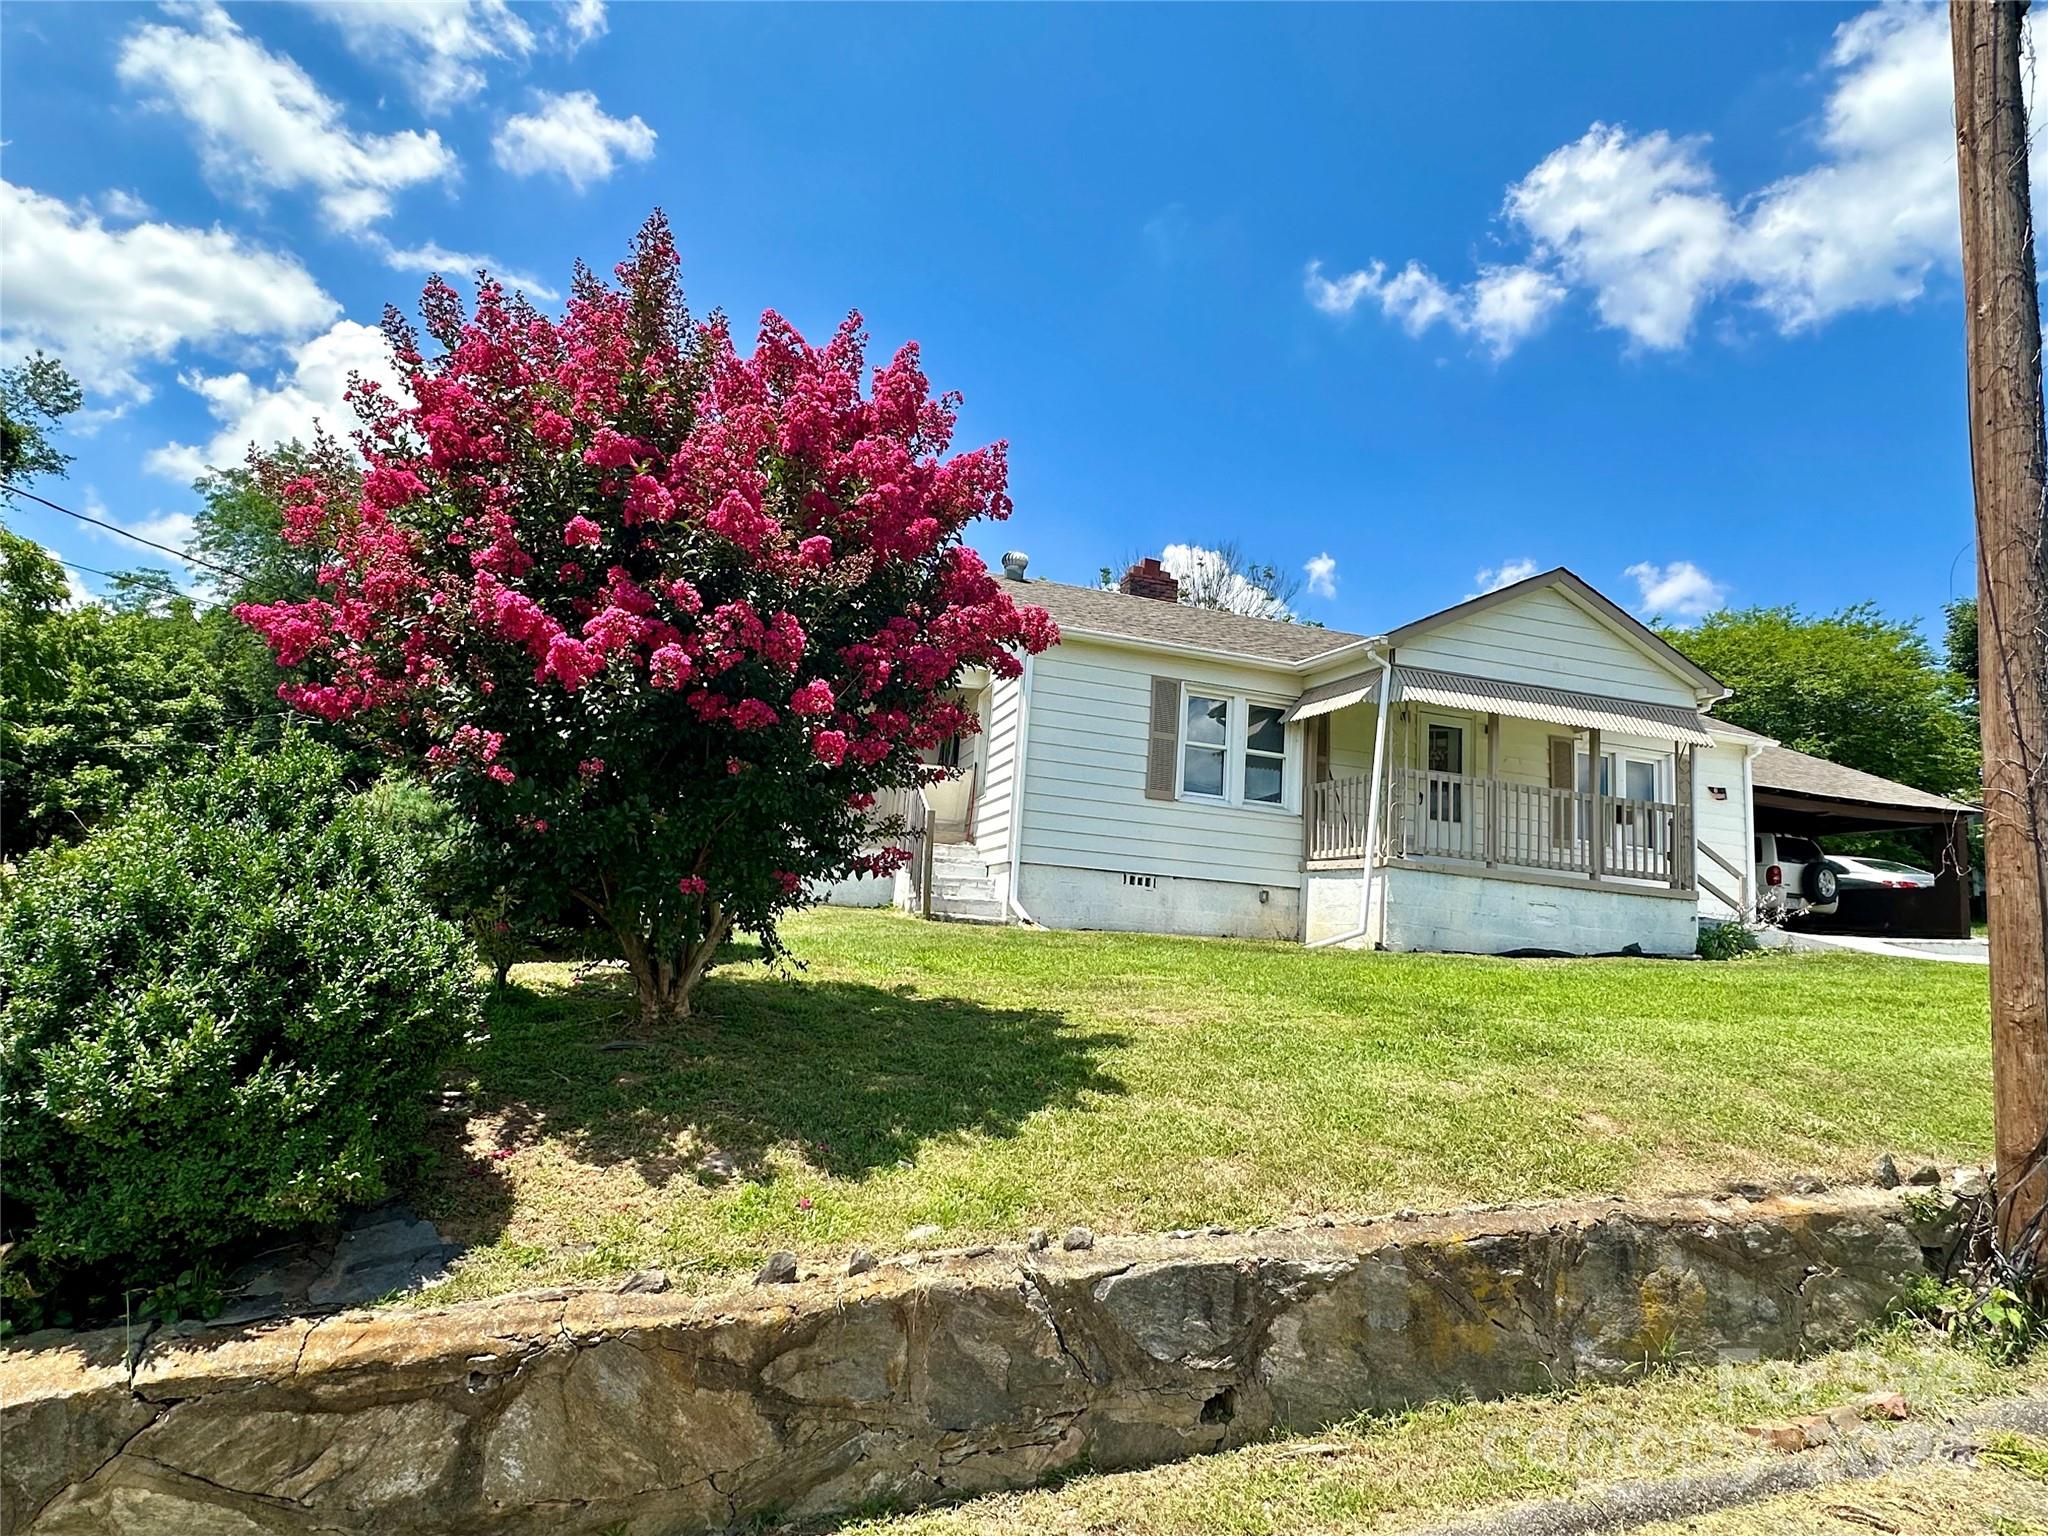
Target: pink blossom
{"points": [[753, 715], [553, 429], [669, 666], [814, 698], [789, 883], [580, 530], [589, 768], [815, 551], [574, 662], [692, 885], [829, 747]]}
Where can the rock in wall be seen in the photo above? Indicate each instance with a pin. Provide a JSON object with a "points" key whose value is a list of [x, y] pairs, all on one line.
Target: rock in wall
{"points": [[926, 1377]]}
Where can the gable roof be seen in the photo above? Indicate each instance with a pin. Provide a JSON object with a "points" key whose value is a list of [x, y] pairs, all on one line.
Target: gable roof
{"points": [[1089, 611], [1588, 597], [1788, 772], [1109, 614]]}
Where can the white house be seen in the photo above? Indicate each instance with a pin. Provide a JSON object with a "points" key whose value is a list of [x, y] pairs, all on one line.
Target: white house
{"points": [[1532, 769]]}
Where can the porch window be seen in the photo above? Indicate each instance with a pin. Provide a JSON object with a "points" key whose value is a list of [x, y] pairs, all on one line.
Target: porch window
{"points": [[1205, 746]]}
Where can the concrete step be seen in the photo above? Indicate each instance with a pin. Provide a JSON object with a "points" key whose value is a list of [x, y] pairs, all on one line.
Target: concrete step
{"points": [[970, 911]]}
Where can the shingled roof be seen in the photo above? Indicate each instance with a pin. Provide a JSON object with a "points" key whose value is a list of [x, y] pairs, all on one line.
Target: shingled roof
{"points": [[1088, 610], [1799, 773]]}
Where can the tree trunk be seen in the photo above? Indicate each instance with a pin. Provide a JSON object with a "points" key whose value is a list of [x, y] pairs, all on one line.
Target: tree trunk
{"points": [[663, 982], [2009, 463]]}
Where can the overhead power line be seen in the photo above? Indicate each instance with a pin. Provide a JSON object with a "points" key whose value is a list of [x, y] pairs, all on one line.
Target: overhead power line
{"points": [[117, 529]]}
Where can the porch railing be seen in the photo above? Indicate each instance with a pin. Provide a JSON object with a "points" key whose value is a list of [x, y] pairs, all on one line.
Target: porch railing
{"points": [[1470, 818]]}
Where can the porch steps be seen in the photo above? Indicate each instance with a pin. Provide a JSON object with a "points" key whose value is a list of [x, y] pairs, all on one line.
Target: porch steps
{"points": [[963, 891]]}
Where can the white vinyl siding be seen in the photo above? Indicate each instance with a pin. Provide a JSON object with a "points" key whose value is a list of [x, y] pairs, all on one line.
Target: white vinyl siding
{"points": [[1545, 638], [999, 770], [1084, 771], [1722, 825]]}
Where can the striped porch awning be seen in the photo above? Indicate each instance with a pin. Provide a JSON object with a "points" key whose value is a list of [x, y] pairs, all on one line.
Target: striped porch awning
{"points": [[1327, 698], [1554, 706]]}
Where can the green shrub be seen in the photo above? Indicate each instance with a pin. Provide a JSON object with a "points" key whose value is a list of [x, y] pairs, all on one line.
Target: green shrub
{"points": [[1726, 941], [220, 1015]]}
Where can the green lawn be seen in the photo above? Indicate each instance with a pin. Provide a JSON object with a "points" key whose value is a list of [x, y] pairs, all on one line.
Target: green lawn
{"points": [[984, 1081], [1449, 1462]]}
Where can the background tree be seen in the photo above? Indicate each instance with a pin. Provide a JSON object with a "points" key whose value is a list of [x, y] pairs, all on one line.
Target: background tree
{"points": [[1854, 687], [1959, 648], [124, 691], [661, 620], [1222, 577], [34, 396]]}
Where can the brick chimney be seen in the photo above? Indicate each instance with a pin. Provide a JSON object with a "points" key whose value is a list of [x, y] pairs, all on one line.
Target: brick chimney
{"points": [[1148, 578]]}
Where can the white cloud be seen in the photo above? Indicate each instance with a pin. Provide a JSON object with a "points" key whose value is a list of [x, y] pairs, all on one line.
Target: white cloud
{"points": [[108, 300], [439, 47], [169, 530], [1638, 223], [289, 405], [121, 206], [1321, 571], [1502, 307], [263, 124], [1865, 227], [1506, 574], [1680, 590], [584, 20], [570, 136], [1212, 579], [1507, 305], [430, 258]]}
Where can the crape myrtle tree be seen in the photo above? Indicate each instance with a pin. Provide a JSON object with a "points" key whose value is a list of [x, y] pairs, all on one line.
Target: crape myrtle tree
{"points": [[662, 619]]}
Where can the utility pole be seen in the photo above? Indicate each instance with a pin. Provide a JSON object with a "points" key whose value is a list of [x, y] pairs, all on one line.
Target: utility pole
{"points": [[2009, 465]]}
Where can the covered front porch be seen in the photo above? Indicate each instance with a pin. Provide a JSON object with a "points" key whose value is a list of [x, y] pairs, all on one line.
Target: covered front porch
{"points": [[1465, 777]]}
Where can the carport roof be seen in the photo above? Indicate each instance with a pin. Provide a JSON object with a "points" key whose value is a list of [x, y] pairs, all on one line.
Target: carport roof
{"points": [[1798, 781]]}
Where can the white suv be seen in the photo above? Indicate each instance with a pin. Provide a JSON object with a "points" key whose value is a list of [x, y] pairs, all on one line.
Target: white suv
{"points": [[1793, 876]]}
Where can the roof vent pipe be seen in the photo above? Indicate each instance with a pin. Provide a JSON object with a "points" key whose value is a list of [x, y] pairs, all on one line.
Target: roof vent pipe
{"points": [[1014, 561]]}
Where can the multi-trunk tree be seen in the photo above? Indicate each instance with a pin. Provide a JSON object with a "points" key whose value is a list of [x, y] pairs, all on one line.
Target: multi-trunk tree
{"points": [[663, 619]]}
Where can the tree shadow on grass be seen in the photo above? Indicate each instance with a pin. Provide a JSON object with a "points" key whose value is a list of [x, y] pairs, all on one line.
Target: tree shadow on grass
{"points": [[858, 1077]]}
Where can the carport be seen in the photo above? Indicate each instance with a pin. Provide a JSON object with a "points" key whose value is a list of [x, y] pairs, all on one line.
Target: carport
{"points": [[1812, 797]]}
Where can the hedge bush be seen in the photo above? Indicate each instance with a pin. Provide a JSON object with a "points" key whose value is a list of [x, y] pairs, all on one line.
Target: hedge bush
{"points": [[219, 1016]]}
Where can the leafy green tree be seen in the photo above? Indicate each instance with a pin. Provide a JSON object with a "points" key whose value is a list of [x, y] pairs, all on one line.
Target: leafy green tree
{"points": [[32, 595], [1959, 646], [34, 396], [124, 692], [1854, 687]]}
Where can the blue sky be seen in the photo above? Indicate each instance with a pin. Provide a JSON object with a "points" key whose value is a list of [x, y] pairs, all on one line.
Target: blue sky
{"points": [[1667, 294]]}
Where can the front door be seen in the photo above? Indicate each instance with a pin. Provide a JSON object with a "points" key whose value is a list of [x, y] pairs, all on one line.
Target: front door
{"points": [[1446, 759]]}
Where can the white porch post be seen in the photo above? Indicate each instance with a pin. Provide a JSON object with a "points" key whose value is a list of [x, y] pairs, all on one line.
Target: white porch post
{"points": [[1682, 854], [1596, 834], [1491, 830], [1374, 792]]}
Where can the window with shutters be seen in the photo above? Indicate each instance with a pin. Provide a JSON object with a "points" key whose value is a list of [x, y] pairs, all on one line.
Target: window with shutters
{"points": [[1236, 750]]}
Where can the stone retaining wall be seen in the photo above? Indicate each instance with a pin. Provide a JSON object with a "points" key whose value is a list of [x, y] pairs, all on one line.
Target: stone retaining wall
{"points": [[923, 1378]]}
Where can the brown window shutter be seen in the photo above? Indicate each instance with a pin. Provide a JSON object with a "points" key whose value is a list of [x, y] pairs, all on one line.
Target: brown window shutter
{"points": [[1564, 774], [1163, 749], [1322, 768]]}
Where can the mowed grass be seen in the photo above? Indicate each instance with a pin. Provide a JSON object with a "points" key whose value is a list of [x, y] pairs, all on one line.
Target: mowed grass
{"points": [[1455, 1462], [984, 1081]]}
